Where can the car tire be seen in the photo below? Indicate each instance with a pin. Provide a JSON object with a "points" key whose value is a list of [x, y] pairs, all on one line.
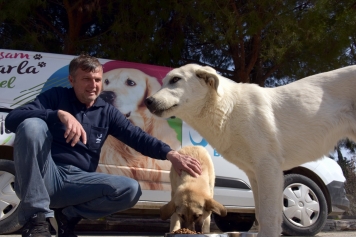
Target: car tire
{"points": [[305, 208], [234, 222], [8, 200]]}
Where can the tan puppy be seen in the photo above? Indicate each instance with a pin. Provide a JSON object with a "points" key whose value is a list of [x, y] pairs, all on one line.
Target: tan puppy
{"points": [[263, 131], [126, 88], [192, 198]]}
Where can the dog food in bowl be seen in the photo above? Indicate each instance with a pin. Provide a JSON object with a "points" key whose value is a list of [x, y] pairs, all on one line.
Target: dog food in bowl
{"points": [[185, 231], [189, 233]]}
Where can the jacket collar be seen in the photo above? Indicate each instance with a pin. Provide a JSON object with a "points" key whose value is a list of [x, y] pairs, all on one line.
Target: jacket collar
{"points": [[99, 102]]}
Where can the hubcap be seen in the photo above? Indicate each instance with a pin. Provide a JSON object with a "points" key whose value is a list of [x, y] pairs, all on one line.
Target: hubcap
{"points": [[301, 206], [8, 199]]}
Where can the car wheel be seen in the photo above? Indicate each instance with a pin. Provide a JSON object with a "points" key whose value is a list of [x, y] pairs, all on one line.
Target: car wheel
{"points": [[234, 222], [9, 202], [304, 206]]}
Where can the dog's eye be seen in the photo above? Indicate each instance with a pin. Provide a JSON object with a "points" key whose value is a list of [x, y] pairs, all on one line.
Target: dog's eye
{"points": [[130, 82], [182, 216], [174, 80], [196, 217], [106, 81]]}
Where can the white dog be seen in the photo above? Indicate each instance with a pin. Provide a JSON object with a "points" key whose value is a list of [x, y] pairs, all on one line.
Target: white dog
{"points": [[263, 130]]}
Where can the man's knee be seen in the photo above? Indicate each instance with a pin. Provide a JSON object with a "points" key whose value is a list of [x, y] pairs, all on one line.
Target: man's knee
{"points": [[135, 194], [32, 127], [128, 196]]}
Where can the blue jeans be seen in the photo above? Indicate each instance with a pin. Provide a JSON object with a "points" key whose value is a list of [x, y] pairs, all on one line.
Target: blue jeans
{"points": [[42, 185]]}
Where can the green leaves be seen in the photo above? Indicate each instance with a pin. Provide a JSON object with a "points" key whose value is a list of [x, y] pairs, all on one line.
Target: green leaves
{"points": [[246, 41]]}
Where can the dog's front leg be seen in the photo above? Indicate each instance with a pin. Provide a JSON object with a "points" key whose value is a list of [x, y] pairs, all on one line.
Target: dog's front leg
{"points": [[270, 196], [206, 225], [175, 223]]}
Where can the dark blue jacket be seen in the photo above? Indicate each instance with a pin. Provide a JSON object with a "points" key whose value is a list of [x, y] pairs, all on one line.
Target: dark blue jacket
{"points": [[98, 121]]}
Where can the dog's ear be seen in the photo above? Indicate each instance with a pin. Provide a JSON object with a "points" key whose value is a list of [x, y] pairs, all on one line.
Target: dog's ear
{"points": [[209, 75], [166, 211], [152, 86], [216, 207]]}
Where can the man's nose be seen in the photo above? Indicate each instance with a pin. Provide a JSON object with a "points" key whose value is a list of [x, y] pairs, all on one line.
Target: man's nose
{"points": [[93, 83]]}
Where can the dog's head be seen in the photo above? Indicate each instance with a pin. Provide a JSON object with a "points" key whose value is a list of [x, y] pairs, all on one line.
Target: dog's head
{"points": [[183, 89], [126, 88], [192, 208]]}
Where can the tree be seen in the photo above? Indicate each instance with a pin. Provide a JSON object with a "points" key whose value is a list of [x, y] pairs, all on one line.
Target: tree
{"points": [[116, 29], [258, 41], [351, 51], [253, 41], [348, 167]]}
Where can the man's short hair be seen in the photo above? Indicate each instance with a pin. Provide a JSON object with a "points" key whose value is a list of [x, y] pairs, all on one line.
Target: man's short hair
{"points": [[85, 62]]}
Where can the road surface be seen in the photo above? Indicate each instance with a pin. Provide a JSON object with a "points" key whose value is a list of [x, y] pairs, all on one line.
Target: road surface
{"points": [[321, 234]]}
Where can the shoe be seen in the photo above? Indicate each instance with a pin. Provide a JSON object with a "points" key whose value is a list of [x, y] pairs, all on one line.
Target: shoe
{"points": [[63, 226], [37, 226]]}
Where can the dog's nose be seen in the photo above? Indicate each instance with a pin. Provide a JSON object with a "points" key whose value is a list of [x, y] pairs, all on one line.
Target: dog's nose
{"points": [[108, 96], [148, 101]]}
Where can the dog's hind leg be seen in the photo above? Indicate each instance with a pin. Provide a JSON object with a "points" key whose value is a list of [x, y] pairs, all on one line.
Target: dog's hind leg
{"points": [[270, 182], [352, 135], [254, 186]]}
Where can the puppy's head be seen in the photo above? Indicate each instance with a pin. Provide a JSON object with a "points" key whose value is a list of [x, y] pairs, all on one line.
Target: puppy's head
{"points": [[192, 209], [126, 88], [183, 90]]}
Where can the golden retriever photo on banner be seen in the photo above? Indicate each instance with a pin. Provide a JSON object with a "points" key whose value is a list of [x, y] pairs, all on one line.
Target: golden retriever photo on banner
{"points": [[126, 88]]}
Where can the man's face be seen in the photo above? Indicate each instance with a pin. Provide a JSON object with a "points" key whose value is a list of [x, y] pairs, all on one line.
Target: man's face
{"points": [[87, 85]]}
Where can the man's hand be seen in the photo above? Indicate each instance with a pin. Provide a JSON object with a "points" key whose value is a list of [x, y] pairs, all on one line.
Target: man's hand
{"points": [[74, 130], [184, 163]]}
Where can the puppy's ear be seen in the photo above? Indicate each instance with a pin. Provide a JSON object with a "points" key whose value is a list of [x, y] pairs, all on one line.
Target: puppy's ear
{"points": [[209, 75], [167, 210], [152, 85], [216, 207]]}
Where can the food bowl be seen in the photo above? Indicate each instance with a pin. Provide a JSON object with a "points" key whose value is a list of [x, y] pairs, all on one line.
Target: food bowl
{"points": [[196, 235], [226, 234], [241, 234]]}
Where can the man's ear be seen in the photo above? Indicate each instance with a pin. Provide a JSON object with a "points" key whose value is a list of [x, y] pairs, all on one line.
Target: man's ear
{"points": [[210, 77], [167, 210], [70, 79]]}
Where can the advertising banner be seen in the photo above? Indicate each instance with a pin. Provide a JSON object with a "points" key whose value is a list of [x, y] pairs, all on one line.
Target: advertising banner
{"points": [[24, 75]]}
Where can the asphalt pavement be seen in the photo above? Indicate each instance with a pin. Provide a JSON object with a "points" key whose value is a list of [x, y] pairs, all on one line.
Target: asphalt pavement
{"points": [[321, 234], [122, 226]]}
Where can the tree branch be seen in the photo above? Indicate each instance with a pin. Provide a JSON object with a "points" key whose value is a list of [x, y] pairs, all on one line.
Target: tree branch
{"points": [[238, 48], [44, 20], [271, 71], [255, 51]]}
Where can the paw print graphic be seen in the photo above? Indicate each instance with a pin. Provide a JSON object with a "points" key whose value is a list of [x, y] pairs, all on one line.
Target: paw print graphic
{"points": [[41, 64], [37, 56]]}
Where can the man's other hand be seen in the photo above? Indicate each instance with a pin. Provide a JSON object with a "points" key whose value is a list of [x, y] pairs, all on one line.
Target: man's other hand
{"points": [[74, 130]]}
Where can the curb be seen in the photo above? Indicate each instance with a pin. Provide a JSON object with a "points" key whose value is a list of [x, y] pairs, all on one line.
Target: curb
{"points": [[131, 224], [340, 225], [333, 225]]}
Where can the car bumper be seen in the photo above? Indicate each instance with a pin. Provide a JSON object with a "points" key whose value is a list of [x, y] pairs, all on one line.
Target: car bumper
{"points": [[339, 201]]}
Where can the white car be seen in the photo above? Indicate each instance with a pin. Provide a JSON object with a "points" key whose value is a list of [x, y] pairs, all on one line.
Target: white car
{"points": [[312, 191]]}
